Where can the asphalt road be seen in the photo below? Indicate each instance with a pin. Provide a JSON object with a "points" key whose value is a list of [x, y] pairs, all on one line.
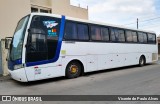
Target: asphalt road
{"points": [[132, 80]]}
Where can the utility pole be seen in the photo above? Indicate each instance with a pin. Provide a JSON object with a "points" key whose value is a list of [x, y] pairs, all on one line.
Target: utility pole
{"points": [[137, 23]]}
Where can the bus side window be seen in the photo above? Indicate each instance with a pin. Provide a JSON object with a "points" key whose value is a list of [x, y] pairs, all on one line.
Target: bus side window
{"points": [[129, 37], [121, 37], [82, 32], [145, 37], [140, 37], [105, 34], [151, 38], [71, 31], [134, 34], [117, 35], [112, 35], [95, 33]]}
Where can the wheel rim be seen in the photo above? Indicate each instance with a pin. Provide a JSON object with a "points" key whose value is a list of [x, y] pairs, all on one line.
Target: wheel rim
{"points": [[73, 69]]}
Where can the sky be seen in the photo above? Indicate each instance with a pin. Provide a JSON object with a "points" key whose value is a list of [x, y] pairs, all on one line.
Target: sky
{"points": [[124, 12]]}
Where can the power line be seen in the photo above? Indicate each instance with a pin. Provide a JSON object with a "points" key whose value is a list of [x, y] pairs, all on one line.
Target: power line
{"points": [[151, 15], [150, 24], [153, 26], [150, 19], [144, 20]]}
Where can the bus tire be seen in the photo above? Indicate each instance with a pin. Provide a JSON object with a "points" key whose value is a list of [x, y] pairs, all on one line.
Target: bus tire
{"points": [[142, 61], [73, 69]]}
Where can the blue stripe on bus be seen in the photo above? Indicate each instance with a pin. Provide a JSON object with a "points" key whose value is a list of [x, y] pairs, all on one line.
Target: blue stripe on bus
{"points": [[58, 47], [19, 61], [12, 63]]}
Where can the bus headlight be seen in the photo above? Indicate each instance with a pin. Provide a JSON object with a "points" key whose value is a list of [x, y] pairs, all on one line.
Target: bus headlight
{"points": [[18, 66]]}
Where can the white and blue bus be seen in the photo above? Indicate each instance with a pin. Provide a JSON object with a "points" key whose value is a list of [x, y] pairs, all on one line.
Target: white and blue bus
{"points": [[47, 45]]}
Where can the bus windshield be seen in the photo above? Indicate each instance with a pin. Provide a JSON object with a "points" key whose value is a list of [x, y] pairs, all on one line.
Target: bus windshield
{"points": [[18, 38]]}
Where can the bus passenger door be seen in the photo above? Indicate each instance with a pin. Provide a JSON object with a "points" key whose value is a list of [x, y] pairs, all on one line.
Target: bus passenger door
{"points": [[41, 47], [91, 63], [36, 53]]}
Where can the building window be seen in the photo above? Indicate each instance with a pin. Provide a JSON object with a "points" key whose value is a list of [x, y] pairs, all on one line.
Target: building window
{"points": [[34, 9], [40, 9], [44, 11]]}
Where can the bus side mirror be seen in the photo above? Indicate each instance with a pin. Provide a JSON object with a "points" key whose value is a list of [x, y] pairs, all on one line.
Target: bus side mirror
{"points": [[8, 42]]}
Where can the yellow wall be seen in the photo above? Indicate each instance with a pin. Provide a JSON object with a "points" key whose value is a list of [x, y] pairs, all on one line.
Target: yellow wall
{"points": [[10, 13], [43, 3]]}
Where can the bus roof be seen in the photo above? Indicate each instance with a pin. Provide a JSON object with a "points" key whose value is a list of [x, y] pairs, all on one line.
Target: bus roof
{"points": [[91, 22]]}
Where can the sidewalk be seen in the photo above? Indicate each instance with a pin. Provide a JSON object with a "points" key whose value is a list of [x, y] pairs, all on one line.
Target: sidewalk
{"points": [[3, 78]]}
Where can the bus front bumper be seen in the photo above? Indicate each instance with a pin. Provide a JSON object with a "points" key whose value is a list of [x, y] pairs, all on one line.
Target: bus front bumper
{"points": [[19, 75]]}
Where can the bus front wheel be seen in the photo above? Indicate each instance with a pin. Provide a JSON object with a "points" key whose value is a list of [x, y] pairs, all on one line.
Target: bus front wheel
{"points": [[73, 69], [142, 61]]}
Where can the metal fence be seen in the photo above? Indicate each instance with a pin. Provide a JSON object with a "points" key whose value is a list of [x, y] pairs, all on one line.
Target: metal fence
{"points": [[0, 58]]}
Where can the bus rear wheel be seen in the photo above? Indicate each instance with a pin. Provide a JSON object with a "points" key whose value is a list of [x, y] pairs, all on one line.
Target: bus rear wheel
{"points": [[142, 61], [73, 69]]}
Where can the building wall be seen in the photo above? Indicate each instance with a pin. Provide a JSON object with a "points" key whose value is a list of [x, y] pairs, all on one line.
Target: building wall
{"points": [[62, 7], [1, 71], [10, 13], [43, 3], [4, 56]]}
